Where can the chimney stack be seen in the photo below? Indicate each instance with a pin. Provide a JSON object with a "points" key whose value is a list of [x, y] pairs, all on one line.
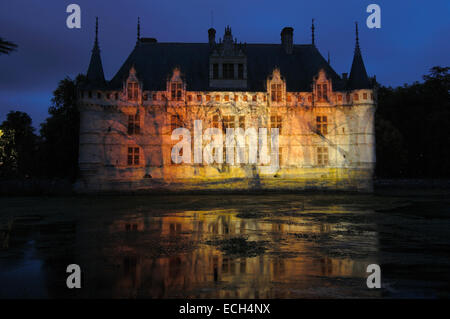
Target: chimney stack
{"points": [[287, 35], [211, 37]]}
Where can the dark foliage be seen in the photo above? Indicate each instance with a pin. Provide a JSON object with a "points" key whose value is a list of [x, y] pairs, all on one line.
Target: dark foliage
{"points": [[17, 146], [59, 132], [413, 128]]}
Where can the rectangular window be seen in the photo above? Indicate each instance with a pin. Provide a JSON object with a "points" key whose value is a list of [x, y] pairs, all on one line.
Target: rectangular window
{"points": [[190, 98], [228, 71], [242, 122], [133, 91], [215, 71], [199, 98], [322, 156], [322, 92], [208, 98], [155, 97], [254, 98], [176, 89], [215, 121], [227, 98], [340, 98], [175, 122], [134, 126], [217, 98], [365, 96], [280, 156], [325, 92], [228, 122], [322, 125], [356, 97], [245, 98], [276, 92], [133, 156], [236, 98], [240, 71], [276, 122]]}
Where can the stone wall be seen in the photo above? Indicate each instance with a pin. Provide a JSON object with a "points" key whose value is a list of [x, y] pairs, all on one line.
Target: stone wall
{"points": [[350, 142]]}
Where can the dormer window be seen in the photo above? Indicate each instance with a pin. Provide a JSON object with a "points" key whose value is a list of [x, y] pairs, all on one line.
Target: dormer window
{"points": [[175, 86], [276, 86], [176, 90], [132, 86], [227, 62], [133, 91], [322, 86], [276, 92], [322, 92]]}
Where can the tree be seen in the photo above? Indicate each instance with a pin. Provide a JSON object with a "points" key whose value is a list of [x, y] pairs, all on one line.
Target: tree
{"points": [[60, 131], [18, 143], [6, 47], [8, 154], [415, 120]]}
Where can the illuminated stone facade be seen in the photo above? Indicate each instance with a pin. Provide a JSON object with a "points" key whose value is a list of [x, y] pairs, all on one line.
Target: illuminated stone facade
{"points": [[326, 122]]}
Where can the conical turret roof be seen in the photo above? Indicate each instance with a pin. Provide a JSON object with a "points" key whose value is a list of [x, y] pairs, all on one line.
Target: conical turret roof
{"points": [[358, 76], [95, 75]]}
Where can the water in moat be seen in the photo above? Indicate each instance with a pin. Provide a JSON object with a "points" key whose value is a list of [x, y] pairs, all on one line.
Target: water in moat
{"points": [[227, 246]]}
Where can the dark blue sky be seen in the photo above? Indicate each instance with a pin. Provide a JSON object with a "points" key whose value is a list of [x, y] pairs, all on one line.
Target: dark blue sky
{"points": [[414, 36]]}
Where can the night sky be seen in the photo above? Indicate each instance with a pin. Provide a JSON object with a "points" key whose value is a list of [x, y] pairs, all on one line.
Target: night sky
{"points": [[414, 36]]}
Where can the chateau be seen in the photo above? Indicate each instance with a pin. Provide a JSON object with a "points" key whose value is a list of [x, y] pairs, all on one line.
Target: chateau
{"points": [[325, 121]]}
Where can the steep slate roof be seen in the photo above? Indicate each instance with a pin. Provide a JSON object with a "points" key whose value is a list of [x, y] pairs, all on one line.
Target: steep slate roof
{"points": [[155, 61], [358, 76], [95, 75]]}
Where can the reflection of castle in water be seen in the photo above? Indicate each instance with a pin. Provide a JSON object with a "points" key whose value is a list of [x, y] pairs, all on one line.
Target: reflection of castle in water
{"points": [[167, 256]]}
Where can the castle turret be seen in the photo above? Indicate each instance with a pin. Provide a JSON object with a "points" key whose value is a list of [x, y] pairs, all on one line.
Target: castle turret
{"points": [[358, 76], [95, 75]]}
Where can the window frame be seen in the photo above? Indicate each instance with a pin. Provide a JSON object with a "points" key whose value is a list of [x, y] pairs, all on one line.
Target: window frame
{"points": [[322, 124], [175, 122], [322, 156], [133, 156], [134, 124], [276, 92], [176, 91], [276, 121], [133, 91]]}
